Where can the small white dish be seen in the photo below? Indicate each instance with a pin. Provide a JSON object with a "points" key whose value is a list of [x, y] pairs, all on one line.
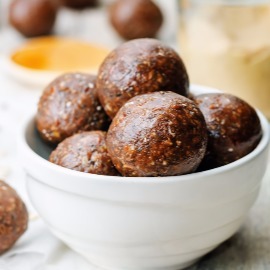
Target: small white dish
{"points": [[141, 223], [30, 77], [40, 60]]}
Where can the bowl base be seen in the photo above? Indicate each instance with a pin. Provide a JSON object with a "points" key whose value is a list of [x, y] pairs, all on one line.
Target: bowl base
{"points": [[173, 267], [101, 262]]}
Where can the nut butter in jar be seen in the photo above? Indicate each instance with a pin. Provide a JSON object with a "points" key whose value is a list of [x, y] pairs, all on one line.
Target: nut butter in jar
{"points": [[226, 44]]}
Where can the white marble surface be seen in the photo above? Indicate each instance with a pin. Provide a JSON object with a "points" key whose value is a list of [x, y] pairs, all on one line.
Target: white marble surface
{"points": [[38, 249]]}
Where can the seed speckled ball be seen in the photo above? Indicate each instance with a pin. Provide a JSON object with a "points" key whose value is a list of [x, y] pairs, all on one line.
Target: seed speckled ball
{"points": [[157, 134], [234, 128], [69, 105], [13, 217], [137, 67], [85, 152]]}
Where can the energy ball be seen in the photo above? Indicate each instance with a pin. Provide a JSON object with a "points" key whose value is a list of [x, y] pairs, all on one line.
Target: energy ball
{"points": [[157, 134], [32, 17], [135, 18], [85, 152], [68, 105], [13, 217], [79, 4], [234, 128], [137, 67]]}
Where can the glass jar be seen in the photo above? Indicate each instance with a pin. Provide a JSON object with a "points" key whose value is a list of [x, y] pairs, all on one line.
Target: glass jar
{"points": [[226, 44]]}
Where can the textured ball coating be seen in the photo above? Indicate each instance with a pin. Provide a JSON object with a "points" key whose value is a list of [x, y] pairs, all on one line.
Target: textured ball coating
{"points": [[85, 152], [32, 17], [234, 128], [157, 134], [13, 217], [137, 67], [135, 18], [80, 4], [68, 105]]}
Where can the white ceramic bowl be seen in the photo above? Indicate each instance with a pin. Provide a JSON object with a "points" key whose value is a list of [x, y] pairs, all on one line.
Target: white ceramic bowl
{"points": [[142, 223]]}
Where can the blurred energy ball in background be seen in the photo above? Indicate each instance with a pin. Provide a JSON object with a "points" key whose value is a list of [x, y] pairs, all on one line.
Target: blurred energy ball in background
{"points": [[135, 18], [32, 17]]}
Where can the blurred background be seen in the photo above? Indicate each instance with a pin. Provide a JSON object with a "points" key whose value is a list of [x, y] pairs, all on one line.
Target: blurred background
{"points": [[89, 22]]}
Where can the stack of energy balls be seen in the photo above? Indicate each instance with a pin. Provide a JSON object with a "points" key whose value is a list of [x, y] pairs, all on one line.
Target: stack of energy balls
{"points": [[137, 118]]}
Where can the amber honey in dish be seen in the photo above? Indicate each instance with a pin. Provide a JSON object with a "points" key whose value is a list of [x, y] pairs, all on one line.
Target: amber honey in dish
{"points": [[59, 54]]}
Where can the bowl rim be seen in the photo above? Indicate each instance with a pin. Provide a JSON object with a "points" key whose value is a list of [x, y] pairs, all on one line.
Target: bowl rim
{"points": [[196, 176]]}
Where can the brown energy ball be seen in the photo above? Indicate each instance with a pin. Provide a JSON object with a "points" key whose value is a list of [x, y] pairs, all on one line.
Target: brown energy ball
{"points": [[157, 134], [68, 105], [32, 17], [137, 67], [135, 18], [13, 217], [79, 4], [85, 152], [234, 128]]}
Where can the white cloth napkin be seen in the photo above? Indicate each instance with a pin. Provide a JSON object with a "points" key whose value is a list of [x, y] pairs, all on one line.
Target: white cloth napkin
{"points": [[38, 249]]}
